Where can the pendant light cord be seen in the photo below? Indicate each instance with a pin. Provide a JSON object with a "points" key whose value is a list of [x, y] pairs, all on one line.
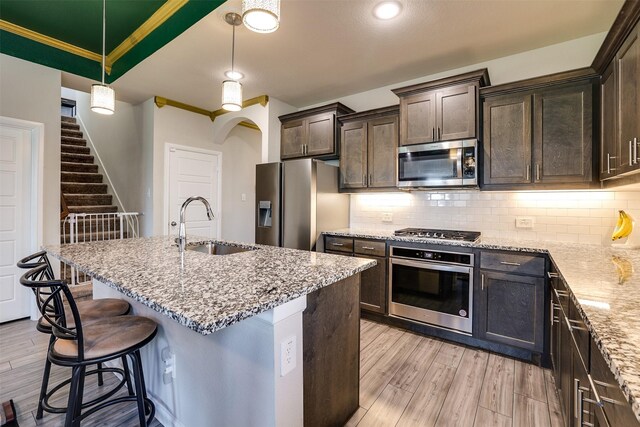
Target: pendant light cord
{"points": [[233, 47], [104, 32]]}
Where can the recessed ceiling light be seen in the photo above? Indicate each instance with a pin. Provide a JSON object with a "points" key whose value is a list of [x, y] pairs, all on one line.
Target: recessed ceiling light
{"points": [[387, 10], [234, 74]]}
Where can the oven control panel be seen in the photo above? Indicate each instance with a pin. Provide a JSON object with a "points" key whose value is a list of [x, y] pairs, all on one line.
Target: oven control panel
{"points": [[429, 255]]}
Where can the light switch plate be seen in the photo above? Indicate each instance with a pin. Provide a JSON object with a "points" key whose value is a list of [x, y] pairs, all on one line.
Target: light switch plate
{"points": [[387, 217]]}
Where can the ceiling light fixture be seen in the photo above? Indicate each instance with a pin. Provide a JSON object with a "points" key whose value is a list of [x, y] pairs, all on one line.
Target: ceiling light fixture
{"points": [[232, 89], [387, 10], [103, 98], [261, 16]]}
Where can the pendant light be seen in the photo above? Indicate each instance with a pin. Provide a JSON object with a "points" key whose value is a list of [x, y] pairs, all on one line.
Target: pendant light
{"points": [[103, 98], [232, 89], [261, 16]]}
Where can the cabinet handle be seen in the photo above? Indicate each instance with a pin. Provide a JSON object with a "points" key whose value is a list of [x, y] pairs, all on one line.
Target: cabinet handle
{"points": [[528, 172], [552, 275], [630, 154], [338, 244], [515, 264], [482, 281], [364, 180], [576, 396], [576, 328], [537, 171], [608, 163], [439, 134], [635, 151], [369, 248], [433, 134], [370, 180]]}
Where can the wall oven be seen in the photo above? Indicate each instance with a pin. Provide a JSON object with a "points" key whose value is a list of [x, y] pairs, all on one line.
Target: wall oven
{"points": [[438, 164], [432, 286]]}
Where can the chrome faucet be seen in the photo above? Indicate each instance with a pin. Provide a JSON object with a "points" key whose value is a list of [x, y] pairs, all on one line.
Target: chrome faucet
{"points": [[182, 235]]}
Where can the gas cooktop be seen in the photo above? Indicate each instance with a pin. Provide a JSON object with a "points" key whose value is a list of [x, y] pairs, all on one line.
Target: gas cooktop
{"points": [[426, 233]]}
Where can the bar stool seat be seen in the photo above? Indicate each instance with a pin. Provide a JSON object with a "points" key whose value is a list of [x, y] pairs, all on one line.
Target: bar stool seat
{"points": [[107, 337]]}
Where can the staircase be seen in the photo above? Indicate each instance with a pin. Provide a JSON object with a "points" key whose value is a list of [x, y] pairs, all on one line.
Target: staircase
{"points": [[83, 191]]}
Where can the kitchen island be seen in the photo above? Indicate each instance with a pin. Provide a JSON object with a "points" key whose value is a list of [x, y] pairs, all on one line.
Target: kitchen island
{"points": [[244, 336]]}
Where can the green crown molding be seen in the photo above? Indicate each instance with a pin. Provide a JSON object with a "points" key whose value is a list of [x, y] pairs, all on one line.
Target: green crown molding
{"points": [[62, 34]]}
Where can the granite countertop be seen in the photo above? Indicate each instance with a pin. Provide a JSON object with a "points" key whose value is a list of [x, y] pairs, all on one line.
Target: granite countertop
{"points": [[604, 282], [207, 292]]}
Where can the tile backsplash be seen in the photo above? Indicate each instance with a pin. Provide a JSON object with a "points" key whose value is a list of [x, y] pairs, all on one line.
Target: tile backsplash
{"points": [[569, 216]]}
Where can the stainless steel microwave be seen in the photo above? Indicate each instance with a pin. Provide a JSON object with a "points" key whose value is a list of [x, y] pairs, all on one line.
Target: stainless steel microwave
{"points": [[438, 164]]}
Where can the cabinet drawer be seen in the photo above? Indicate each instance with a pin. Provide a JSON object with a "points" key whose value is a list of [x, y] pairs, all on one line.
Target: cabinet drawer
{"points": [[370, 247], [513, 263], [616, 409], [580, 332], [340, 244]]}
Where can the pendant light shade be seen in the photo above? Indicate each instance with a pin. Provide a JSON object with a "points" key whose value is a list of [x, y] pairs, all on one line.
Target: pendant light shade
{"points": [[261, 16], [231, 95], [103, 99]]}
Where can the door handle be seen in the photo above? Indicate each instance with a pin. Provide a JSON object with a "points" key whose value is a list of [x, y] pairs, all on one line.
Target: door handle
{"points": [[173, 223]]}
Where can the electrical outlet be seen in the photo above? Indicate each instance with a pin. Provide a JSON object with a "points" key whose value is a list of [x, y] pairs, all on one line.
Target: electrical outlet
{"points": [[287, 355], [524, 222], [169, 371], [387, 217]]}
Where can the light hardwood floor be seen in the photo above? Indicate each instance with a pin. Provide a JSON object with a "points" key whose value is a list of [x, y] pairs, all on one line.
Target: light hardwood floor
{"points": [[405, 380], [409, 380]]}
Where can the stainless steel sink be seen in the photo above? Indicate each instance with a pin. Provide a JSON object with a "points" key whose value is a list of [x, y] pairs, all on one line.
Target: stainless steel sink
{"points": [[218, 249]]}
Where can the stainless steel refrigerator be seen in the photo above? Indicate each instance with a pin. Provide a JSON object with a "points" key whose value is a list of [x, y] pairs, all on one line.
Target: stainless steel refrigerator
{"points": [[296, 200]]}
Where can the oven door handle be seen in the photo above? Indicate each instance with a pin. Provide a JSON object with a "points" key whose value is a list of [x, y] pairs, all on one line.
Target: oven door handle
{"points": [[431, 265]]}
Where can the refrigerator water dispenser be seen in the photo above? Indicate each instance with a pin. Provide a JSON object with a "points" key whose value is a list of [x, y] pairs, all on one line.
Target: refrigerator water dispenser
{"points": [[264, 214]]}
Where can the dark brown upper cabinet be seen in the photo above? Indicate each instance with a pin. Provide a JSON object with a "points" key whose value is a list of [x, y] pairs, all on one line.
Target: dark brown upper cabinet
{"points": [[368, 154], [618, 62], [539, 133], [507, 139], [441, 110], [312, 133]]}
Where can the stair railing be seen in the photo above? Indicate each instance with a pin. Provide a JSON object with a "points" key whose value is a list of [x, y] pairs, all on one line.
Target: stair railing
{"points": [[91, 227]]}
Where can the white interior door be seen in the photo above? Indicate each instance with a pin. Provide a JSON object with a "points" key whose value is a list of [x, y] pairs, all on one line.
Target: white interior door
{"points": [[194, 173], [16, 225]]}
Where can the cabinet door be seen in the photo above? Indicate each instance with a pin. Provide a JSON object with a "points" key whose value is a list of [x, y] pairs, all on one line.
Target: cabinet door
{"points": [[608, 135], [563, 138], [456, 113], [320, 135], [507, 140], [628, 75], [373, 286], [418, 118], [292, 137], [383, 151], [513, 309], [353, 155]]}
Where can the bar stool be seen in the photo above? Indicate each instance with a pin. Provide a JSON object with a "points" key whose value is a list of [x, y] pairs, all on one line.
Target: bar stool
{"points": [[90, 311], [92, 343]]}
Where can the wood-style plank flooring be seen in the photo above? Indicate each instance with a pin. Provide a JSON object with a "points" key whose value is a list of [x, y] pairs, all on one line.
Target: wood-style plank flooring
{"points": [[409, 380], [405, 380]]}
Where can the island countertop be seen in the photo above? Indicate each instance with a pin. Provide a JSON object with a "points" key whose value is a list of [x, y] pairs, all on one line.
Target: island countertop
{"points": [[206, 292], [604, 283]]}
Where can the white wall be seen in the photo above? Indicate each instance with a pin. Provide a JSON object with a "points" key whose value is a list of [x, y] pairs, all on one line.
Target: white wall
{"points": [[568, 216], [31, 92], [241, 152], [118, 143], [555, 58]]}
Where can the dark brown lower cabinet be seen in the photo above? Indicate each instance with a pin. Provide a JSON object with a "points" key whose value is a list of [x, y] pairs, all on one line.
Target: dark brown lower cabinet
{"points": [[511, 309], [331, 344], [373, 285]]}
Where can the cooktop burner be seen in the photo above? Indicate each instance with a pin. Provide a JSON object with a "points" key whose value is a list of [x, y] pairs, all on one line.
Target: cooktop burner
{"points": [[465, 236]]}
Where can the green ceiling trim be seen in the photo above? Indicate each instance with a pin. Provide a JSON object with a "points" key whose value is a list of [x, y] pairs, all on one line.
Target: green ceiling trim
{"points": [[140, 28]]}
